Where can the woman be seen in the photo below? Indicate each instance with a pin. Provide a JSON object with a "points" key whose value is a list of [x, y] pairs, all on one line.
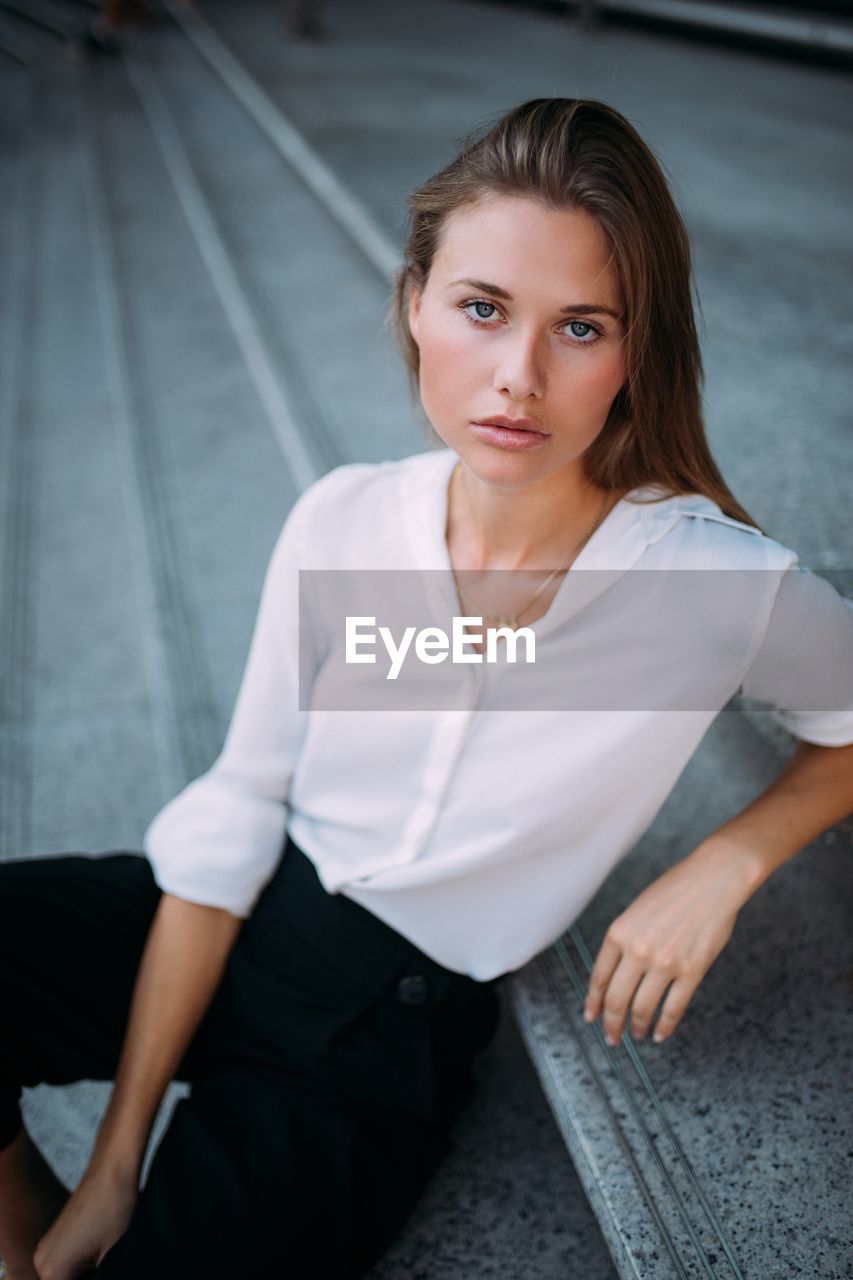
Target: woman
{"points": [[319, 928]]}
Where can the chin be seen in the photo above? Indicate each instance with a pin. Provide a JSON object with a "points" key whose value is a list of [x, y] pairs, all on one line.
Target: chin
{"points": [[504, 469]]}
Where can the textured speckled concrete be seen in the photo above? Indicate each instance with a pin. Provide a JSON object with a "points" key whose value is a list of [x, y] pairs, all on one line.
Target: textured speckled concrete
{"points": [[507, 1202], [752, 1086]]}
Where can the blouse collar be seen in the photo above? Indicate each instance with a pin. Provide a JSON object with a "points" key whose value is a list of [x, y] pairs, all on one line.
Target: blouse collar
{"points": [[617, 544]]}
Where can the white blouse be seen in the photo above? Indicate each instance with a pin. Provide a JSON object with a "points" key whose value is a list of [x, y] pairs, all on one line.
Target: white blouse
{"points": [[476, 808]]}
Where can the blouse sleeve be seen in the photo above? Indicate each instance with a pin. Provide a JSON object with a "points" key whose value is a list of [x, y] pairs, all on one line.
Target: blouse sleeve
{"points": [[803, 669], [219, 840]]}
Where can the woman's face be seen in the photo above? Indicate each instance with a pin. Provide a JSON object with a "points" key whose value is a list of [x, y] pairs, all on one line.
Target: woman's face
{"points": [[519, 319]]}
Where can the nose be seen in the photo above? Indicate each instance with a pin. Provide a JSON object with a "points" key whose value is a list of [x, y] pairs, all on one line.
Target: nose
{"points": [[519, 372]]}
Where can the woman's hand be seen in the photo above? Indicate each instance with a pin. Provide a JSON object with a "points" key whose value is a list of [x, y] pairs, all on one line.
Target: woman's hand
{"points": [[94, 1217], [668, 938]]}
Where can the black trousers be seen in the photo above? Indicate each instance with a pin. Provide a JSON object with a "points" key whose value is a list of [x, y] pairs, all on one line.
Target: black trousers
{"points": [[325, 1076]]}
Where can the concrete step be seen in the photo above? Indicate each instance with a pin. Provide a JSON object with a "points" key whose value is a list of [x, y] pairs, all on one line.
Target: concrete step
{"points": [[796, 27]]}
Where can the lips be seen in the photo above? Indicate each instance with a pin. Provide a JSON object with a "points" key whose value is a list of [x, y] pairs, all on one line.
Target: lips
{"points": [[513, 434], [512, 424]]}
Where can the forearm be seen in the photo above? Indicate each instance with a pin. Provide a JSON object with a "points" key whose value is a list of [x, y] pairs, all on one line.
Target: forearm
{"points": [[181, 967], [812, 793]]}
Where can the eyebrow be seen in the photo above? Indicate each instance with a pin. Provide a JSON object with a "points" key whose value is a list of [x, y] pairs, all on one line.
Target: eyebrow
{"points": [[580, 308]]}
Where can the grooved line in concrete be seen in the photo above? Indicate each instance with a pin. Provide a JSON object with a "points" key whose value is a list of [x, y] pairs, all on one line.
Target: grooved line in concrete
{"points": [[340, 203], [646, 1084], [40, 15], [559, 994], [180, 686], [13, 47], [563, 1103], [16, 532], [274, 395], [278, 378]]}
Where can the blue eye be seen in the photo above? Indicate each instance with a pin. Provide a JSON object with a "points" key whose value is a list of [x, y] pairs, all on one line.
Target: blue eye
{"points": [[478, 302], [587, 329]]}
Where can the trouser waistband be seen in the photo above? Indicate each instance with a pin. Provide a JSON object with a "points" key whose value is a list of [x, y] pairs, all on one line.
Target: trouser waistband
{"points": [[351, 937]]}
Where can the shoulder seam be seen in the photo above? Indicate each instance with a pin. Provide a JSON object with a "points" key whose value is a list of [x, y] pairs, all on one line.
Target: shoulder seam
{"points": [[721, 518]]}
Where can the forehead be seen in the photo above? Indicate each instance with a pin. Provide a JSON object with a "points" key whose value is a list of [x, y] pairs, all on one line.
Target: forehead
{"points": [[517, 241]]}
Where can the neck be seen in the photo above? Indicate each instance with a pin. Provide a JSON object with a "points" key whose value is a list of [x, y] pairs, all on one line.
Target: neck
{"points": [[534, 527]]}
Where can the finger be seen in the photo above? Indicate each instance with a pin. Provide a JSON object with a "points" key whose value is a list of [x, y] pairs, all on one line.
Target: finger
{"points": [[680, 995], [646, 999], [618, 997], [602, 971]]}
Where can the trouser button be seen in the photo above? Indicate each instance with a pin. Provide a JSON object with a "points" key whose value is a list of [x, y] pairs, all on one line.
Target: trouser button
{"points": [[413, 989]]}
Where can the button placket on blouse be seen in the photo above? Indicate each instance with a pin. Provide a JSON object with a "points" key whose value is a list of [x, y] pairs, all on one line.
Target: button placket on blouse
{"points": [[446, 744]]}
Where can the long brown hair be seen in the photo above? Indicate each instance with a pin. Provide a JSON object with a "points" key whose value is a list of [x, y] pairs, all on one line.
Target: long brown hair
{"points": [[576, 153]]}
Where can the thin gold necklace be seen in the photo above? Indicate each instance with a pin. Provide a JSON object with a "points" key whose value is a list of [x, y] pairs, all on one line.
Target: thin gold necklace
{"points": [[512, 619]]}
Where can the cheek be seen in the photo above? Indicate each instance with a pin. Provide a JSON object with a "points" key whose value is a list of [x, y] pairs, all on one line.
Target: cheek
{"points": [[447, 360], [603, 378]]}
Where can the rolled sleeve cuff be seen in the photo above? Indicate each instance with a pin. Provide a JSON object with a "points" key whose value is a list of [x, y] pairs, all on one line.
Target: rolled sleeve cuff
{"points": [[217, 844], [830, 729]]}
